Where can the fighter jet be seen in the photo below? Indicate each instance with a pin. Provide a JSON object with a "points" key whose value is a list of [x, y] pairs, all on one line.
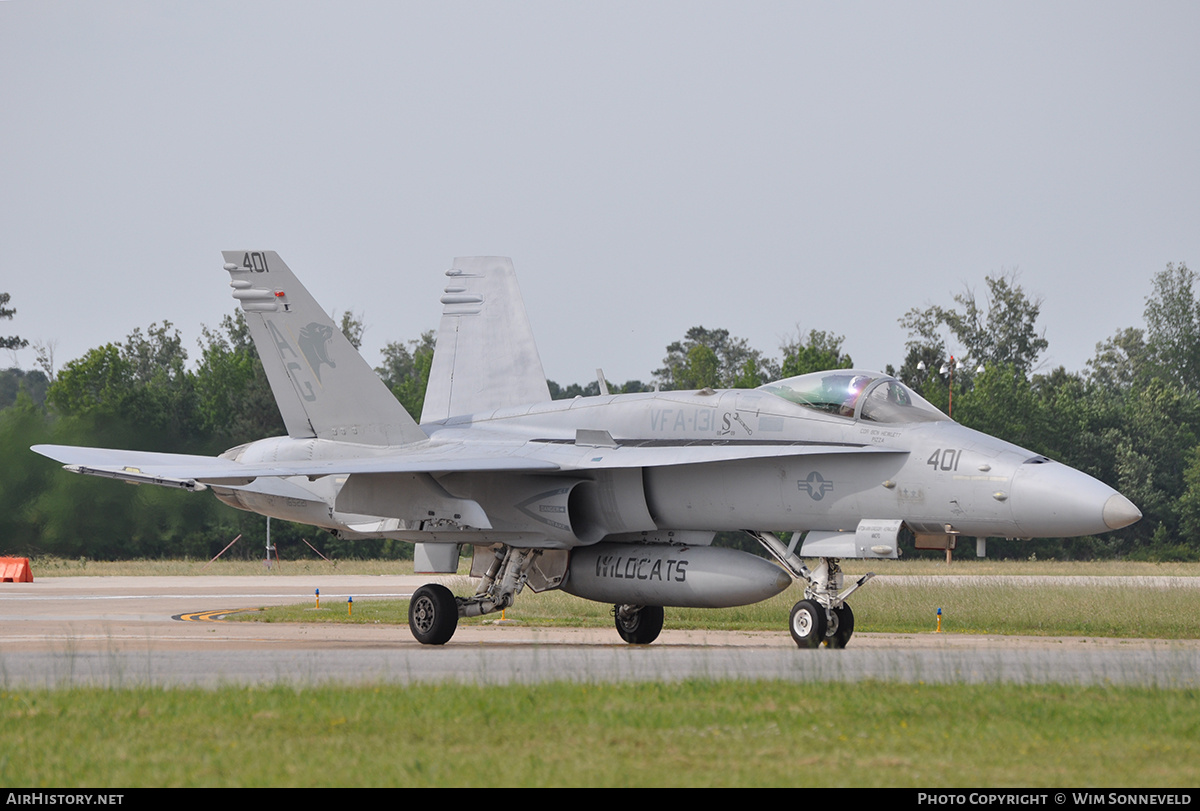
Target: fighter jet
{"points": [[613, 498]]}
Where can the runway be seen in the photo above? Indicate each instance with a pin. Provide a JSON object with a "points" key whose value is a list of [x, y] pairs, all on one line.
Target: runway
{"points": [[128, 632]]}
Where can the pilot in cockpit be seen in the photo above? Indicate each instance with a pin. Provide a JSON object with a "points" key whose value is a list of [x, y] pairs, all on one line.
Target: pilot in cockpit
{"points": [[853, 390]]}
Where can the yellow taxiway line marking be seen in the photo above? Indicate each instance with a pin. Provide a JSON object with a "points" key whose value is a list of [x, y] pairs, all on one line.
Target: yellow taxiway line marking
{"points": [[211, 616]]}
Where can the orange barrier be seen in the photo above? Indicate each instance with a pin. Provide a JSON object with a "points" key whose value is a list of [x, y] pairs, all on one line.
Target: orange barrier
{"points": [[15, 570]]}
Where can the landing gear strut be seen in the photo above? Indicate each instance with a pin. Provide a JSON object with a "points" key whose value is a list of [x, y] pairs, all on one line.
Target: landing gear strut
{"points": [[433, 611], [823, 615]]}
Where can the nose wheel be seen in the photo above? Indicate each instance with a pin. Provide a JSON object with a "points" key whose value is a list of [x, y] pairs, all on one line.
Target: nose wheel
{"points": [[808, 624], [811, 624], [840, 628]]}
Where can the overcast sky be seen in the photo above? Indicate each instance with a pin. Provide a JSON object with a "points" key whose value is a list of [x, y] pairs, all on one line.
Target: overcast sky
{"points": [[649, 166]]}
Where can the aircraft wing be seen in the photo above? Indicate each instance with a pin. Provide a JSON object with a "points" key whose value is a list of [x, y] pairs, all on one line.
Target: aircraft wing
{"points": [[193, 472], [137, 467]]}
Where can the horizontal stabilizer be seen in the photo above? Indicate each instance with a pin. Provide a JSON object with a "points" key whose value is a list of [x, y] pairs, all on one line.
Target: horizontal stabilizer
{"points": [[410, 496]]}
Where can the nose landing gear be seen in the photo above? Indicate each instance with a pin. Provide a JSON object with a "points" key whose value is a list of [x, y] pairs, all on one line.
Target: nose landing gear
{"points": [[823, 615]]}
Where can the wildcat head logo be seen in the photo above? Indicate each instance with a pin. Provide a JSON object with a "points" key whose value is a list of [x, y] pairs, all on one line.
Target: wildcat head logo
{"points": [[314, 343]]}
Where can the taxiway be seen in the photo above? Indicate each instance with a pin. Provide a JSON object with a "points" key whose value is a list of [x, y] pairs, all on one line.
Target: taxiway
{"points": [[132, 631]]}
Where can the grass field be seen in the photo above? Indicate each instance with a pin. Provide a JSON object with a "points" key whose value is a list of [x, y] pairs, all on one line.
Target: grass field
{"points": [[1111, 607], [688, 734]]}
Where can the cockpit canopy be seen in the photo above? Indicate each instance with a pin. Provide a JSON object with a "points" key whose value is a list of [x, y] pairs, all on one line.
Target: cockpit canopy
{"points": [[856, 394]]}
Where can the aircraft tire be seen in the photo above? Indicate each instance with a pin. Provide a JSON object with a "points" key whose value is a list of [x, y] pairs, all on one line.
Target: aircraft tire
{"points": [[432, 614], [807, 624], [643, 628], [843, 627]]}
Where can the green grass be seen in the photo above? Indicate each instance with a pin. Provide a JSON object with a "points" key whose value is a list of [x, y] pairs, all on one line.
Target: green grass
{"points": [[1114, 609], [679, 734]]}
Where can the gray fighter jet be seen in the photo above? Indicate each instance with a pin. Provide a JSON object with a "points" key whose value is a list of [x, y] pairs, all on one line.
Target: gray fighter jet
{"points": [[614, 498]]}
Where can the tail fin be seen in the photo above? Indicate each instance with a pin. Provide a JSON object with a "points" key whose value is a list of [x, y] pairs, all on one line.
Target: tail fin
{"points": [[485, 357], [322, 385]]}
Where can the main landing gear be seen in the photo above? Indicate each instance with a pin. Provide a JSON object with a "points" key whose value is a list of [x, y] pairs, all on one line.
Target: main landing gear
{"points": [[637, 624], [433, 614], [433, 611], [823, 616]]}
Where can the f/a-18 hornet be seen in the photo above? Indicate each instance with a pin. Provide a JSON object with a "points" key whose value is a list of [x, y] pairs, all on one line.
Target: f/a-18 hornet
{"points": [[613, 498]]}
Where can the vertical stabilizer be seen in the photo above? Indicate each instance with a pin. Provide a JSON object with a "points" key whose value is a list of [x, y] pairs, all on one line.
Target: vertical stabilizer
{"points": [[323, 387], [485, 357]]}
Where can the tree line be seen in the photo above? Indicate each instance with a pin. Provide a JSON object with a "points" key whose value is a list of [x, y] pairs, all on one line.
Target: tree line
{"points": [[1131, 418]]}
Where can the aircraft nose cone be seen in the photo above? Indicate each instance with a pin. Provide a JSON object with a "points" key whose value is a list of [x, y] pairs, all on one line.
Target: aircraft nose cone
{"points": [[1051, 500], [1120, 512]]}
